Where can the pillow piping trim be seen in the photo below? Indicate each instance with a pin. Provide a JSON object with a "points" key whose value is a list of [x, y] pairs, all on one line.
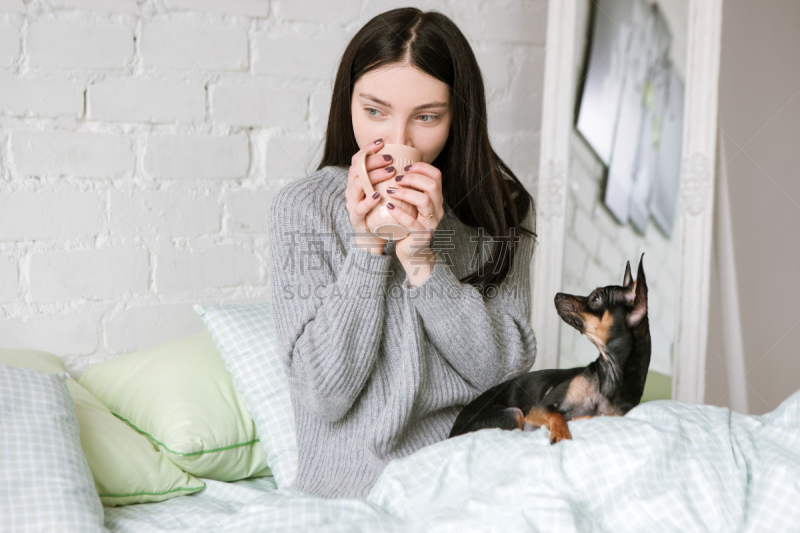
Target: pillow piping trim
{"points": [[193, 489], [181, 453]]}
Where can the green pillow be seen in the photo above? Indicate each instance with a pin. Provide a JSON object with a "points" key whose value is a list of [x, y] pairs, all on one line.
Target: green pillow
{"points": [[249, 344], [657, 387], [125, 466], [181, 396]]}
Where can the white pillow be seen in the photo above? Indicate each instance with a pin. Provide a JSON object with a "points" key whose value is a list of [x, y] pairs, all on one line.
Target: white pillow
{"points": [[45, 481], [246, 338]]}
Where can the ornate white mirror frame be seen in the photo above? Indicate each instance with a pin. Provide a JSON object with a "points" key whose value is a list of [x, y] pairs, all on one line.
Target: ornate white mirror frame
{"points": [[696, 193]]}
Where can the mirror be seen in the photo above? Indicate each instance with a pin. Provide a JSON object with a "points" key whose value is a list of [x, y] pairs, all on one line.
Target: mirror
{"points": [[630, 63], [626, 167]]}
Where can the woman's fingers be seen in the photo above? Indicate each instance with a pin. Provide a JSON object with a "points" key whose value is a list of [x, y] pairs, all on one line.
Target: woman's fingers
{"points": [[407, 221], [365, 206], [379, 166], [419, 199], [376, 176], [374, 160], [375, 147], [424, 169], [382, 174], [377, 161], [360, 201], [417, 184], [421, 176], [361, 204]]}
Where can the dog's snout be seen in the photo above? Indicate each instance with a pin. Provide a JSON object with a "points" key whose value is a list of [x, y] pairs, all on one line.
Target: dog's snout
{"points": [[564, 302]]}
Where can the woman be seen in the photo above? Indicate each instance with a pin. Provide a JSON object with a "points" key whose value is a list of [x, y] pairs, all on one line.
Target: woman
{"points": [[384, 342]]}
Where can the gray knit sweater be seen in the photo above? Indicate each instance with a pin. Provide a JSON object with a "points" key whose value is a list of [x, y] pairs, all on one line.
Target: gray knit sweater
{"points": [[378, 369]]}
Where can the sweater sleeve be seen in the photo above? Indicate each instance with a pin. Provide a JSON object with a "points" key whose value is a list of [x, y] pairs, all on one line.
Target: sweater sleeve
{"points": [[328, 322], [485, 340]]}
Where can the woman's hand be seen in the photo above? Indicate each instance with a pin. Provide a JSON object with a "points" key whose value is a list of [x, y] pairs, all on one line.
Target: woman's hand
{"points": [[421, 187], [358, 204]]}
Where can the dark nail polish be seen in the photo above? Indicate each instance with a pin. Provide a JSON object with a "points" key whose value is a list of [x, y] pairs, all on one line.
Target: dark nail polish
{"points": [[387, 157], [398, 178], [376, 195], [379, 141], [389, 169], [408, 168], [390, 206], [391, 190]]}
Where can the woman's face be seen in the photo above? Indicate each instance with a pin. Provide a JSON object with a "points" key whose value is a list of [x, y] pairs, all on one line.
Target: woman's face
{"points": [[402, 105]]}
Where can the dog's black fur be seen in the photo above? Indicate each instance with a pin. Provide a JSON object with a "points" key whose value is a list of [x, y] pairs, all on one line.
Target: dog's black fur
{"points": [[614, 318]]}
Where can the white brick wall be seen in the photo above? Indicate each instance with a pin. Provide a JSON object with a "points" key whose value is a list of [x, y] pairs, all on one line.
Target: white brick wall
{"points": [[311, 54], [64, 45], [8, 279], [341, 12], [196, 157], [42, 216], [258, 106], [595, 253], [65, 153], [192, 44], [124, 100], [87, 274], [24, 97], [9, 45], [150, 214], [142, 141]]}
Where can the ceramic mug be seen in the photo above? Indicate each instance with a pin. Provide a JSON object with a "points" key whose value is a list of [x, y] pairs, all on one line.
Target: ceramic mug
{"points": [[379, 221]]}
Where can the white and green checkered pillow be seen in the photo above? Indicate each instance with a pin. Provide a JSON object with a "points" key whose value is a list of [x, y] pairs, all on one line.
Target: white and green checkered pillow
{"points": [[45, 481], [246, 338]]}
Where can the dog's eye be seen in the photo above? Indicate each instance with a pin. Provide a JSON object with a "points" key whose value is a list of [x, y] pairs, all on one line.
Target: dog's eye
{"points": [[595, 299]]}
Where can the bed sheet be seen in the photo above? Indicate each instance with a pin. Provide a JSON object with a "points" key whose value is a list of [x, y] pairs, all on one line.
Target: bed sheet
{"points": [[665, 466], [251, 505]]}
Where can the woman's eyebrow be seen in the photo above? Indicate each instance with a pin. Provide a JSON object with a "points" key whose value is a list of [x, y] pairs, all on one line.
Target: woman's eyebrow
{"points": [[430, 105]]}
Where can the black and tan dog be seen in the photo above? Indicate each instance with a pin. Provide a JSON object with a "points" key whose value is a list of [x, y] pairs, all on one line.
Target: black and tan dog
{"points": [[614, 318]]}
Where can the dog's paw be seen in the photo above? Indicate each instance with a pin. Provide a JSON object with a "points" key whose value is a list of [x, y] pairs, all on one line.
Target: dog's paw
{"points": [[559, 432]]}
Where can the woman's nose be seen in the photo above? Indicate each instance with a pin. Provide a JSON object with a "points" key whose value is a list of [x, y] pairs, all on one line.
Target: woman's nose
{"points": [[401, 137]]}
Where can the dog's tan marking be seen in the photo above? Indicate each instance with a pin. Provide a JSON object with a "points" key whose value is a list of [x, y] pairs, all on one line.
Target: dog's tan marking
{"points": [[554, 421], [580, 392], [583, 397], [598, 330]]}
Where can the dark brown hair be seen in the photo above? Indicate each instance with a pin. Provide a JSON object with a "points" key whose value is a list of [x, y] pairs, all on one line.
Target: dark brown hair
{"points": [[479, 187]]}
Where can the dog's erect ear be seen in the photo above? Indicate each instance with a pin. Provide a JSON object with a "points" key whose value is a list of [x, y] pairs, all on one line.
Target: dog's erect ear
{"points": [[627, 280], [629, 285], [639, 310]]}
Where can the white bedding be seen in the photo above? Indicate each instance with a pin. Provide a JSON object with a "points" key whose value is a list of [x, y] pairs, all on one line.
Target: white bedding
{"points": [[665, 466], [250, 505]]}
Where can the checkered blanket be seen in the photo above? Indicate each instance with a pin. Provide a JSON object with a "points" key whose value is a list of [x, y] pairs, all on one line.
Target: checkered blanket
{"points": [[665, 466]]}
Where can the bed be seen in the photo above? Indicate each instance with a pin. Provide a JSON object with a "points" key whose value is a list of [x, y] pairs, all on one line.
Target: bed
{"points": [[665, 466]]}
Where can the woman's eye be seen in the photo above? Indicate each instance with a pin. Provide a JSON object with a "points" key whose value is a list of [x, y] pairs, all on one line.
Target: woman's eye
{"points": [[373, 112], [426, 118]]}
